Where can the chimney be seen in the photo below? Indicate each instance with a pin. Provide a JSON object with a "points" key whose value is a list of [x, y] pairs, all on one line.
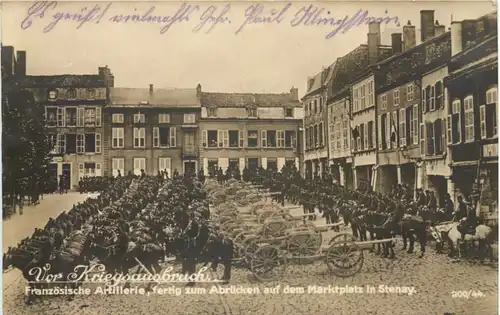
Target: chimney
{"points": [[294, 93], [409, 36], [151, 89], [198, 90], [109, 79], [8, 61], [396, 43], [439, 29], [426, 25], [373, 41], [456, 38], [21, 63]]}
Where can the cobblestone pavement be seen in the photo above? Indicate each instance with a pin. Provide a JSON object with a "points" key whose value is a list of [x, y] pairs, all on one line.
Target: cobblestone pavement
{"points": [[434, 278]]}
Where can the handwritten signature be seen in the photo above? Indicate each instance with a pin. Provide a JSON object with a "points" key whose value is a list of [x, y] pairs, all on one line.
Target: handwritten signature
{"points": [[209, 17]]}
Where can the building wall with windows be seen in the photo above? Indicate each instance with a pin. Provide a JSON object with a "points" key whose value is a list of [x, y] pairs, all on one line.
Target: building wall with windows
{"points": [[153, 130], [73, 112], [249, 130]]}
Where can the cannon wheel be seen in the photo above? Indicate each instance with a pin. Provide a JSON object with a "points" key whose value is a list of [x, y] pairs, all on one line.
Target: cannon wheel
{"points": [[342, 237], [274, 228], [303, 243], [268, 263], [344, 258]]}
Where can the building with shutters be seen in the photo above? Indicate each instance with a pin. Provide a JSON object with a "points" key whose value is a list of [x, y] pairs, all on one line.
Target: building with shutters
{"points": [[151, 129], [361, 83], [316, 123], [241, 130], [410, 95], [73, 113], [472, 86]]}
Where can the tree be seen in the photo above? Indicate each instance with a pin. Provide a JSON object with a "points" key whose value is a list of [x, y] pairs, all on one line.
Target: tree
{"points": [[25, 144]]}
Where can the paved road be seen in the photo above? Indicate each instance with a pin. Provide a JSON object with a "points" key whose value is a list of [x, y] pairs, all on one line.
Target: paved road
{"points": [[433, 277]]}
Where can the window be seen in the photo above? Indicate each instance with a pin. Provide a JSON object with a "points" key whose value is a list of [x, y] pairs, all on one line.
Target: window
{"points": [[315, 136], [388, 130], [163, 118], [252, 139], [139, 164], [429, 130], [80, 143], [117, 136], [365, 136], [271, 138], [213, 166], [469, 118], [356, 99], [263, 138], [92, 117], [51, 116], [371, 97], [71, 94], [383, 100], [363, 97], [234, 164], [409, 92], [438, 137], [424, 100], [212, 112], [308, 142], [161, 137], [290, 139], [252, 112], [320, 134], [117, 118], [70, 113], [456, 124], [223, 137], [234, 141], [60, 116], [90, 94], [189, 118], [402, 127], [338, 131], [395, 95], [253, 163], [432, 103], [448, 129], [272, 164], [52, 95], [118, 164], [490, 113], [289, 112], [369, 135], [139, 137], [97, 140], [61, 143], [71, 143], [439, 95], [358, 137], [422, 139], [89, 169], [212, 138], [394, 129], [345, 132], [165, 164], [414, 124], [139, 119], [379, 132], [173, 136], [53, 144], [320, 104], [280, 138]]}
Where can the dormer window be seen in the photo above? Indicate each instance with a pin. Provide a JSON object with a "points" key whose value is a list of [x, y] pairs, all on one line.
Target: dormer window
{"points": [[252, 111], [212, 112], [71, 94], [52, 95], [289, 112], [91, 94]]}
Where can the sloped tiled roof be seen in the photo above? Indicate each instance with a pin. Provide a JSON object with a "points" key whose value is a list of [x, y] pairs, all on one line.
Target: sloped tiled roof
{"points": [[320, 79], [353, 65], [63, 80], [128, 97], [247, 99]]}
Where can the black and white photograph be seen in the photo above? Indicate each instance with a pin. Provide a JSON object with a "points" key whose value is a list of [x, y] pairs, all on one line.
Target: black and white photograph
{"points": [[249, 158]]}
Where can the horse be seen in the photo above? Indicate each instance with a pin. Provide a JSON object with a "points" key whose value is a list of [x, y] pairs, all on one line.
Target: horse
{"points": [[482, 233]]}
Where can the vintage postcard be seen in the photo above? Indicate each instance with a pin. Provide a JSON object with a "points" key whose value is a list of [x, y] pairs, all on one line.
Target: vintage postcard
{"points": [[245, 158]]}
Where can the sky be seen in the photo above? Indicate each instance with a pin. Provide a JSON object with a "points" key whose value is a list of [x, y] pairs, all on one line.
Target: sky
{"points": [[262, 58]]}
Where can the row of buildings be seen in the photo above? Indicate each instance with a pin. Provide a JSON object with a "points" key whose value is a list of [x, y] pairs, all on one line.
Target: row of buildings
{"points": [[424, 115], [97, 129]]}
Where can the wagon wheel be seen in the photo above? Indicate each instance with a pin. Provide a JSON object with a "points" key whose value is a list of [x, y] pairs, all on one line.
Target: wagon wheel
{"points": [[274, 228], [342, 237], [303, 244], [268, 263], [249, 246], [344, 258]]}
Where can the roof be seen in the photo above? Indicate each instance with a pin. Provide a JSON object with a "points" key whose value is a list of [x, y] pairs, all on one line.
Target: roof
{"points": [[63, 80], [248, 99], [134, 97], [489, 61], [320, 79], [351, 66]]}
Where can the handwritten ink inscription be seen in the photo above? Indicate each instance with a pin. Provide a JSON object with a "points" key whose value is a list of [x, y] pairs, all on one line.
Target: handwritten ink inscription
{"points": [[205, 18]]}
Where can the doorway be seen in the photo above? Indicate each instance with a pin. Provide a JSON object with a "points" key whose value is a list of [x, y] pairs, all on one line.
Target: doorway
{"points": [[66, 173], [190, 167]]}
